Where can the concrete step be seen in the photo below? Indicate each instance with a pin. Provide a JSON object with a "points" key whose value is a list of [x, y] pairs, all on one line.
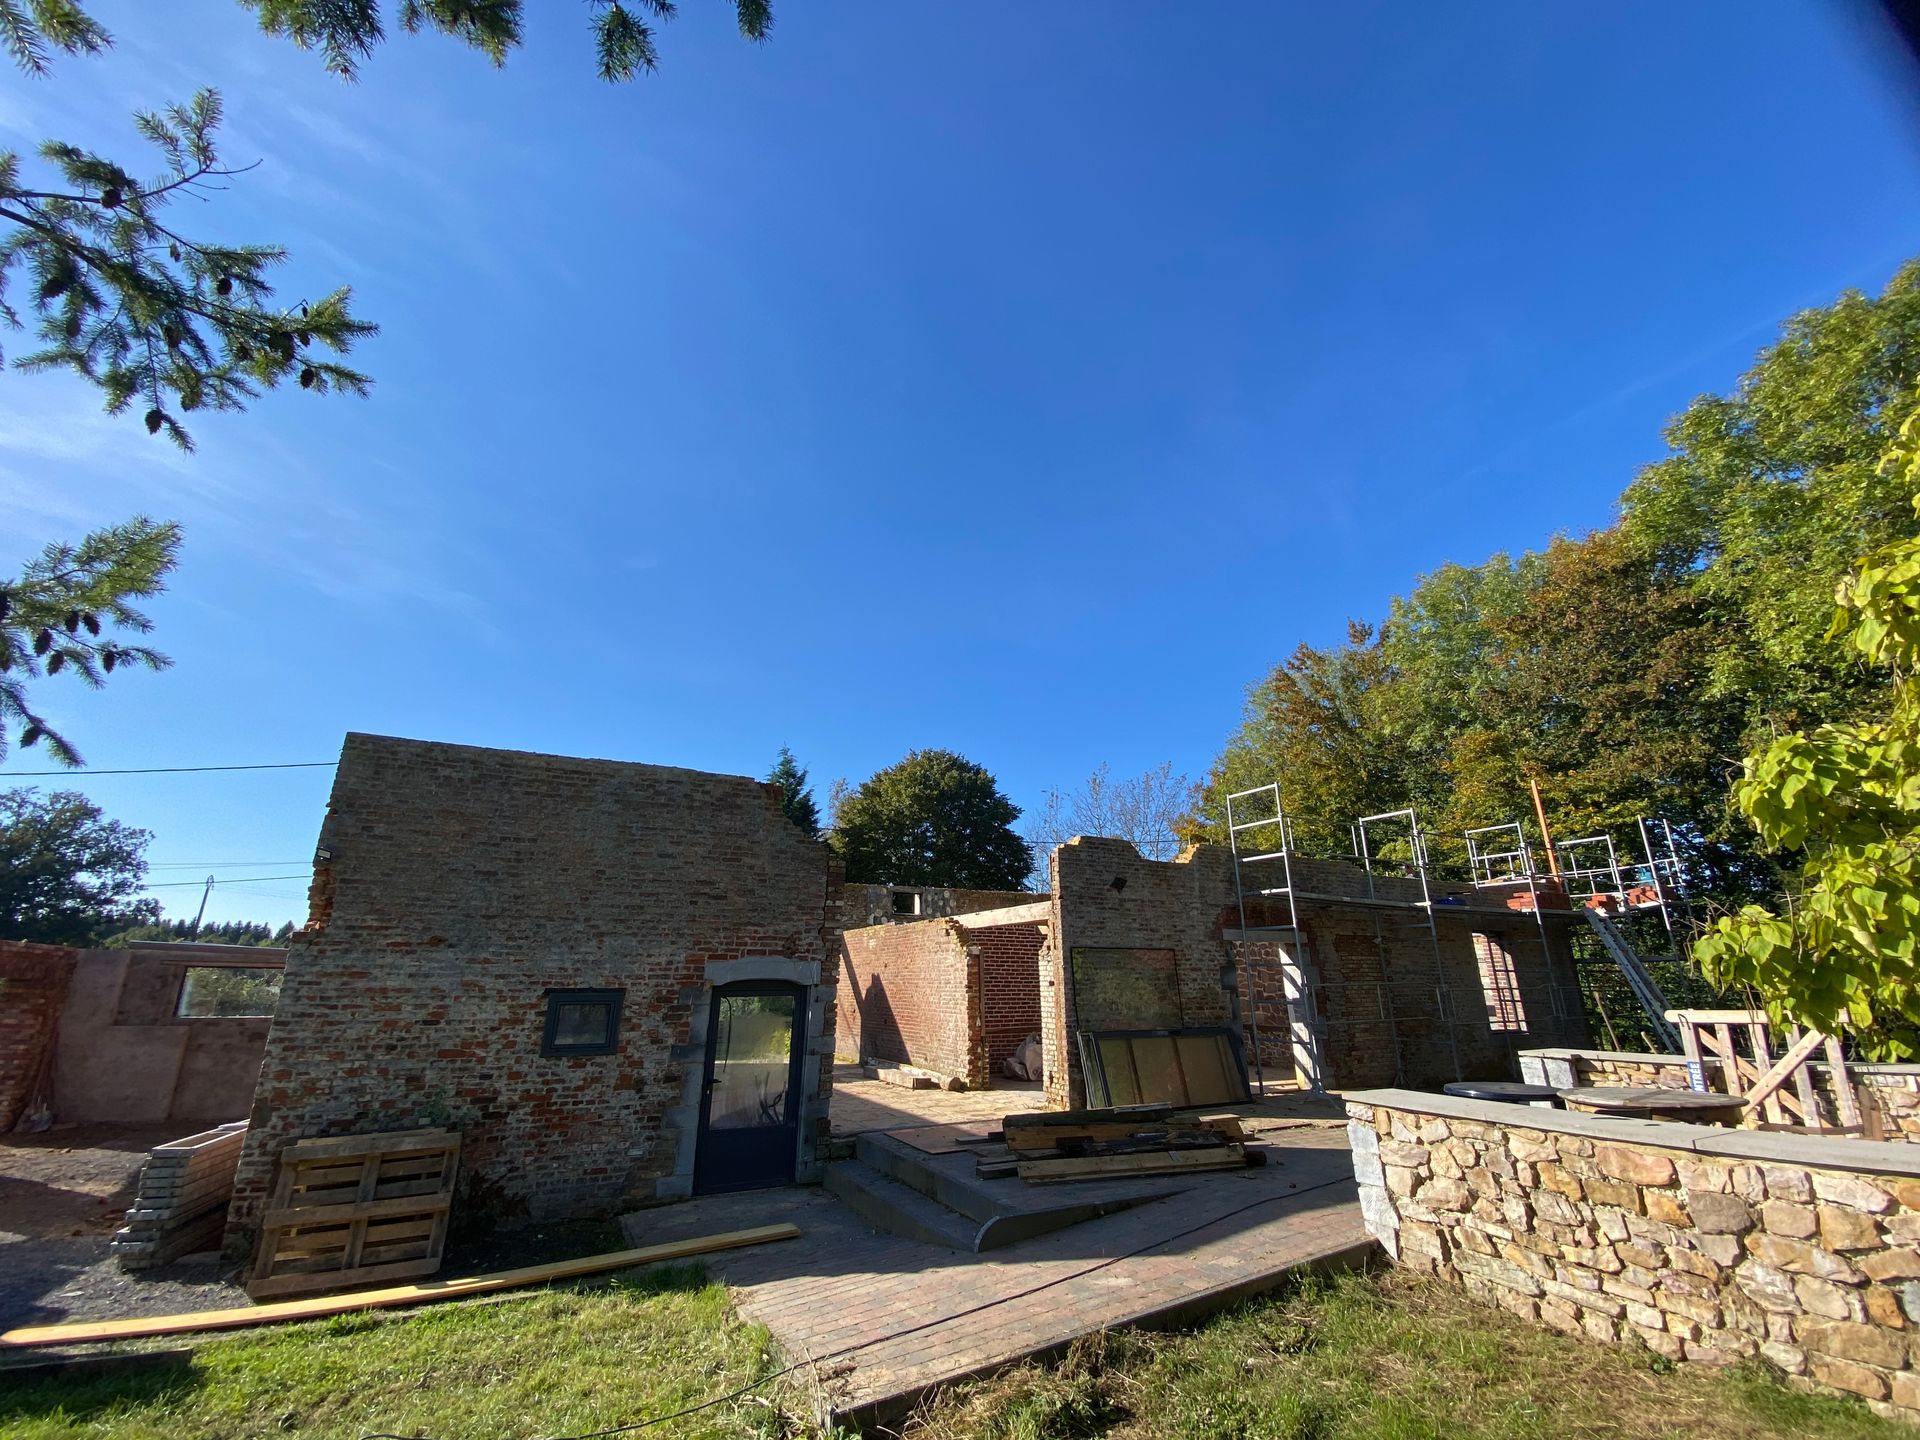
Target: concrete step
{"points": [[1004, 1212], [897, 1208]]}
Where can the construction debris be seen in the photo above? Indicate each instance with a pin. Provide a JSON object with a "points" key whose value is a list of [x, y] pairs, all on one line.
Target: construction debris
{"points": [[1100, 1144], [181, 1205]]}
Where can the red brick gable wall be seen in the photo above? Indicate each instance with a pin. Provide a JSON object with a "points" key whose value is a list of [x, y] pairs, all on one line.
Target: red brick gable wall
{"points": [[463, 885]]}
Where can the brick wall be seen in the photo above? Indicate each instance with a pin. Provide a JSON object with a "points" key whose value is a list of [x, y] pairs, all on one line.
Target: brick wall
{"points": [[33, 987], [1388, 1001], [465, 883], [910, 995], [862, 905], [1704, 1244], [1009, 960]]}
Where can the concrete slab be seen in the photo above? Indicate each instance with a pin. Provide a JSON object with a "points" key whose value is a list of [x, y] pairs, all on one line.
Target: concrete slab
{"points": [[880, 1320]]}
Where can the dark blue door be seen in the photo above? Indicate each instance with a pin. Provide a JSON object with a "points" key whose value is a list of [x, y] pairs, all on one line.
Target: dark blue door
{"points": [[750, 1105]]}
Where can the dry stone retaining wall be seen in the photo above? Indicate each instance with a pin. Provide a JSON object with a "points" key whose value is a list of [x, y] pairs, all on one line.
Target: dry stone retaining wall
{"points": [[1704, 1244]]}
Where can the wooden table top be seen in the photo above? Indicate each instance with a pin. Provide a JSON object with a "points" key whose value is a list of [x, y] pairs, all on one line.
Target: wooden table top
{"points": [[1647, 1100]]}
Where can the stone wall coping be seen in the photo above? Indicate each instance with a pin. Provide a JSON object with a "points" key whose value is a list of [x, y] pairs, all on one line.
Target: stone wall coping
{"points": [[1028, 914], [1644, 1057], [1819, 1152]]}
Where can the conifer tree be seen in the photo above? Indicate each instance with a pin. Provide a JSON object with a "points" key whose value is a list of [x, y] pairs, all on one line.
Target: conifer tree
{"points": [[163, 324], [936, 818], [795, 798], [67, 612]]}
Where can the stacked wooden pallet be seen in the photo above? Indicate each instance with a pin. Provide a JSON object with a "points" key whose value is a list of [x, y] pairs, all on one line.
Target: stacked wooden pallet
{"points": [[356, 1210], [1114, 1143], [181, 1205]]}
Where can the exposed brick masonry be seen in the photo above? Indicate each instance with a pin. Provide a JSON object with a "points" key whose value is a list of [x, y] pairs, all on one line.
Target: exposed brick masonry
{"points": [[464, 883], [33, 986]]}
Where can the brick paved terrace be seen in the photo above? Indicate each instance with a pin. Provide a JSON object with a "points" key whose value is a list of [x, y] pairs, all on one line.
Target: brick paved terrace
{"points": [[884, 1320]]}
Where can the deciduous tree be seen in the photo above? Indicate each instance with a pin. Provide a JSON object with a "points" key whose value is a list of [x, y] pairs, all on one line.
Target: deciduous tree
{"points": [[933, 819], [68, 875], [1149, 809]]}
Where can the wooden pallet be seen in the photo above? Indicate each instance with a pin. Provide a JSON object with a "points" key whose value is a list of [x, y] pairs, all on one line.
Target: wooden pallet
{"points": [[356, 1210]]}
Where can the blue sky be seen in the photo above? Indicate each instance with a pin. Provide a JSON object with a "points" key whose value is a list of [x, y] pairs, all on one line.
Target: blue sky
{"points": [[1025, 380]]}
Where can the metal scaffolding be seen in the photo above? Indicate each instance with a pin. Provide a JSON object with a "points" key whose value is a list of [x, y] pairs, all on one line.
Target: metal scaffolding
{"points": [[1305, 1030], [1501, 855], [1365, 832]]}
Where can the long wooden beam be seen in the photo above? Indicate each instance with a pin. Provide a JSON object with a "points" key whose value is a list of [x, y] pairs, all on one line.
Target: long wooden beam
{"points": [[244, 1316]]}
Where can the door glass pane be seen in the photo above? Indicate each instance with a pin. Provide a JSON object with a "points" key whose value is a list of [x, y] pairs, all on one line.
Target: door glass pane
{"points": [[752, 1055]]}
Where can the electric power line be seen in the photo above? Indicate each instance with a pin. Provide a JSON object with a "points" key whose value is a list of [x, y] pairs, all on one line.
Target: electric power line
{"points": [[176, 769], [239, 880]]}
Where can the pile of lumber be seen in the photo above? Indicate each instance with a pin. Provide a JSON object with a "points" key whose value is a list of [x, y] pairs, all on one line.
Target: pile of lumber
{"points": [[181, 1205], [356, 1210], [1054, 1146]]}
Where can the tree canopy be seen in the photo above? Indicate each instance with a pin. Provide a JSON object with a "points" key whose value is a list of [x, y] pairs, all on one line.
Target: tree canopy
{"points": [[1843, 953], [165, 324], [796, 800], [1147, 809], [1626, 670], [70, 610], [68, 875], [934, 818]]}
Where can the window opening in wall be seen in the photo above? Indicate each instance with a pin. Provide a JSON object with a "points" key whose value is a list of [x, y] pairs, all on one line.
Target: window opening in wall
{"points": [[1500, 983], [906, 902], [228, 991], [582, 1022]]}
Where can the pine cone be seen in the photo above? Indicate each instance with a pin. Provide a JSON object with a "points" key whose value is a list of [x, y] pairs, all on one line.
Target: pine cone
{"points": [[73, 622], [307, 376], [111, 197], [108, 659], [155, 419], [55, 661], [224, 285], [28, 736], [43, 642]]}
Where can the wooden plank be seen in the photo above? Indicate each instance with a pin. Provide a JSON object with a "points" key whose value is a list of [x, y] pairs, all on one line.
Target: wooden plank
{"points": [[1845, 1105], [1716, 1017], [1160, 1162], [1791, 1060], [1722, 1045], [82, 1333], [1085, 1117], [364, 1210], [390, 1142]]}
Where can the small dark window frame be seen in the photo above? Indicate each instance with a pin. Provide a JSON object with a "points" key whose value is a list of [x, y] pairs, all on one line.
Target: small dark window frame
{"points": [[612, 999]]}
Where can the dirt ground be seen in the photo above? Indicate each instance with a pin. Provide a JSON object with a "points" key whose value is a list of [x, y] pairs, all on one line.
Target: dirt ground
{"points": [[62, 1195]]}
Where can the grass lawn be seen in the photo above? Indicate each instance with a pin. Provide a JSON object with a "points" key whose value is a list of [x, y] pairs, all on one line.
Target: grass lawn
{"points": [[550, 1362], [1367, 1357], [1381, 1357]]}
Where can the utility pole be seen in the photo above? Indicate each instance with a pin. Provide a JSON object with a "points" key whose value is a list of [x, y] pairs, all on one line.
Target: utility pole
{"points": [[209, 890]]}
